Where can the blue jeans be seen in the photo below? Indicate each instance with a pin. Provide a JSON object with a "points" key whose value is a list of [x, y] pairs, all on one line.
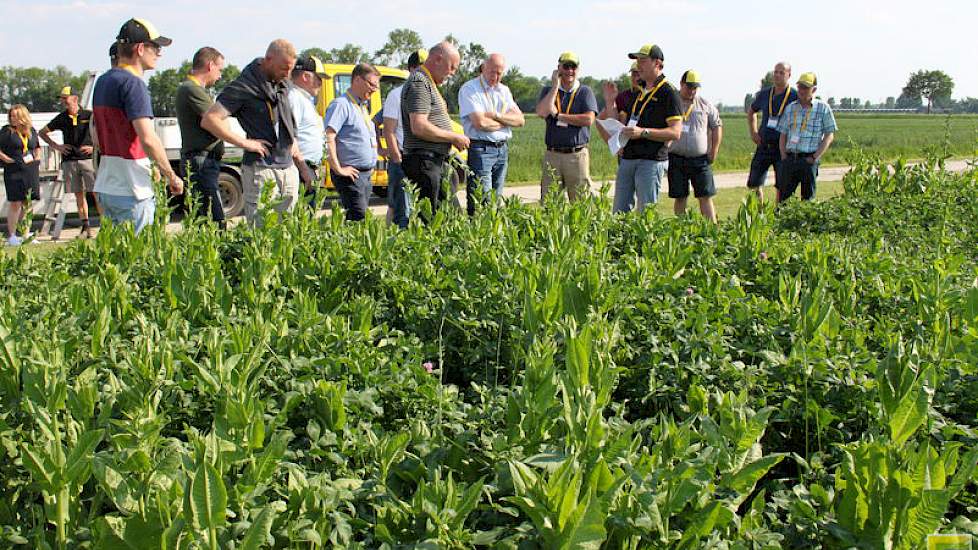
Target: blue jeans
{"points": [[397, 198], [794, 171], [488, 163], [126, 208], [638, 177]]}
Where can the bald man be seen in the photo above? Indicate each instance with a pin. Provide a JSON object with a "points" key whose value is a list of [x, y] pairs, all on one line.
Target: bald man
{"points": [[771, 103], [258, 98], [428, 135], [488, 114]]}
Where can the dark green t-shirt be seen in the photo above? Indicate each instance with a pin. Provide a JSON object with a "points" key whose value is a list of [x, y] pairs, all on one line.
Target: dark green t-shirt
{"points": [[192, 102]]}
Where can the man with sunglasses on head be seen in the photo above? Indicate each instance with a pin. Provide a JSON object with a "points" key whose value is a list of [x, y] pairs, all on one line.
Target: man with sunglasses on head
{"points": [[307, 80], [352, 141], [123, 115], [569, 108], [771, 103]]}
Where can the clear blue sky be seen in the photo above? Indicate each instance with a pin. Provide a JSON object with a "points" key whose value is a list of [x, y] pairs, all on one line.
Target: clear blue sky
{"points": [[859, 48]]}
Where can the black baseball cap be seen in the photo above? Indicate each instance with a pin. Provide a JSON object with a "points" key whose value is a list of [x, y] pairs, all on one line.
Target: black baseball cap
{"points": [[114, 51], [137, 31], [648, 50], [312, 64]]}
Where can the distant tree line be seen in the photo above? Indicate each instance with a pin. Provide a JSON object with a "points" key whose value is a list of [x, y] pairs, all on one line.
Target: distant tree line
{"points": [[925, 90]]}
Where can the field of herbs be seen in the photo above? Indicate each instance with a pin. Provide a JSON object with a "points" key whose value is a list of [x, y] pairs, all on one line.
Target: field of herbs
{"points": [[551, 378]]}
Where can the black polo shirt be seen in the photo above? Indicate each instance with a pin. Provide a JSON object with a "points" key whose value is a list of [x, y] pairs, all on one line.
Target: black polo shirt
{"points": [[653, 111], [576, 102], [75, 132], [767, 105]]}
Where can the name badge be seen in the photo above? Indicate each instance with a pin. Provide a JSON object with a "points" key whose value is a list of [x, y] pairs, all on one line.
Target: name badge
{"points": [[794, 138], [28, 158], [633, 122], [772, 122], [561, 124], [685, 127]]}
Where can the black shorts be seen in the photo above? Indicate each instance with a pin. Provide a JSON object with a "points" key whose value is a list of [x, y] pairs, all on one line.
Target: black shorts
{"points": [[766, 156], [18, 187], [684, 171]]}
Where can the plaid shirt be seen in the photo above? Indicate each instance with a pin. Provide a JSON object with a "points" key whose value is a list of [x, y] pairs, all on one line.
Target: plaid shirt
{"points": [[818, 121]]}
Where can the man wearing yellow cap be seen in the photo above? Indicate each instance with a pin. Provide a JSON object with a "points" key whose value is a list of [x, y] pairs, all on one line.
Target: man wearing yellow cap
{"points": [[200, 151], [652, 120], [123, 115], [77, 169], [691, 156], [807, 130], [616, 102], [569, 108]]}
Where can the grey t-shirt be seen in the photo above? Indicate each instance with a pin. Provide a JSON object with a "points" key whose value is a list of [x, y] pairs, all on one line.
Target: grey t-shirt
{"points": [[694, 139], [421, 96]]}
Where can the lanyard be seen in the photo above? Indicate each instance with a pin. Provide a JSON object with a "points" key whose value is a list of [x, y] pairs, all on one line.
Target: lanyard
{"points": [[804, 121], [770, 102], [648, 97], [74, 119], [570, 103], [271, 112], [689, 111], [24, 139], [363, 111], [193, 79], [485, 92], [435, 86]]}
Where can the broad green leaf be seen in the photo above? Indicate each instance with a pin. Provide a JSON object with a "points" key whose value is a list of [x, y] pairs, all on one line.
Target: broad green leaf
{"points": [[260, 530], [208, 498], [743, 480], [79, 461]]}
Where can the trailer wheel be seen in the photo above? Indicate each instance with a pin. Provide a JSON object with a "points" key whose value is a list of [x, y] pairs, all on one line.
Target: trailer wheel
{"points": [[232, 194]]}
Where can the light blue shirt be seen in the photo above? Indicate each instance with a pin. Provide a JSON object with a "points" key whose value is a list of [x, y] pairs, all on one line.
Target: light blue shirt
{"points": [[806, 126], [308, 126], [476, 96], [355, 137]]}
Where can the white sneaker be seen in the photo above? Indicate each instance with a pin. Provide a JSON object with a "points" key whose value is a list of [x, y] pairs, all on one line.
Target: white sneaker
{"points": [[14, 240]]}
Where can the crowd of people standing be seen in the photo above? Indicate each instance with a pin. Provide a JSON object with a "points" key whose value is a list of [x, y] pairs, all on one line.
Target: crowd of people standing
{"points": [[658, 131]]}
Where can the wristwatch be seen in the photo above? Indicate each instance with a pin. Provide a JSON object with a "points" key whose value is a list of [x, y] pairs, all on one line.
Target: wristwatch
{"points": [[645, 133]]}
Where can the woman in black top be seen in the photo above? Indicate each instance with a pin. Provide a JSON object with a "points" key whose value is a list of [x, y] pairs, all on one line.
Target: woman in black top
{"points": [[19, 153]]}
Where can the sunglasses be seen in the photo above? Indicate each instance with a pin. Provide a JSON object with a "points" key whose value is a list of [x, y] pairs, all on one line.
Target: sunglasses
{"points": [[569, 66], [154, 46]]}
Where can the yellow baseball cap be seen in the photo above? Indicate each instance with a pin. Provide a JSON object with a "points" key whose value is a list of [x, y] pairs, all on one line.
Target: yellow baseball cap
{"points": [[808, 80], [569, 57], [648, 50], [691, 78], [417, 58], [65, 92]]}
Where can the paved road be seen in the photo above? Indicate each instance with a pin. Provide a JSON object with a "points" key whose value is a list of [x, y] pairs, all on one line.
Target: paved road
{"points": [[530, 193]]}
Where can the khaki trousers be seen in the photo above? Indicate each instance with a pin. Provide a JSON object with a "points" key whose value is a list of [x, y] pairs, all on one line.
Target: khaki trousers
{"points": [[285, 192], [571, 171]]}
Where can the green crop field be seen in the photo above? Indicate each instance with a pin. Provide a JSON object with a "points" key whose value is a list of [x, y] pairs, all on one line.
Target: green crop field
{"points": [[555, 377], [891, 136]]}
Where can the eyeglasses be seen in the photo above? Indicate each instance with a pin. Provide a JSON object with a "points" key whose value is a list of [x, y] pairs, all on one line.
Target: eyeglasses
{"points": [[157, 49], [569, 66]]}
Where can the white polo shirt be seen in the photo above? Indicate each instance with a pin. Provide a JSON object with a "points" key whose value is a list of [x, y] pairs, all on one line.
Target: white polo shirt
{"points": [[476, 96]]}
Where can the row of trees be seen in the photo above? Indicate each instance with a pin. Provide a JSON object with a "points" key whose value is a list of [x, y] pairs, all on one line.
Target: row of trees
{"points": [[39, 88]]}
